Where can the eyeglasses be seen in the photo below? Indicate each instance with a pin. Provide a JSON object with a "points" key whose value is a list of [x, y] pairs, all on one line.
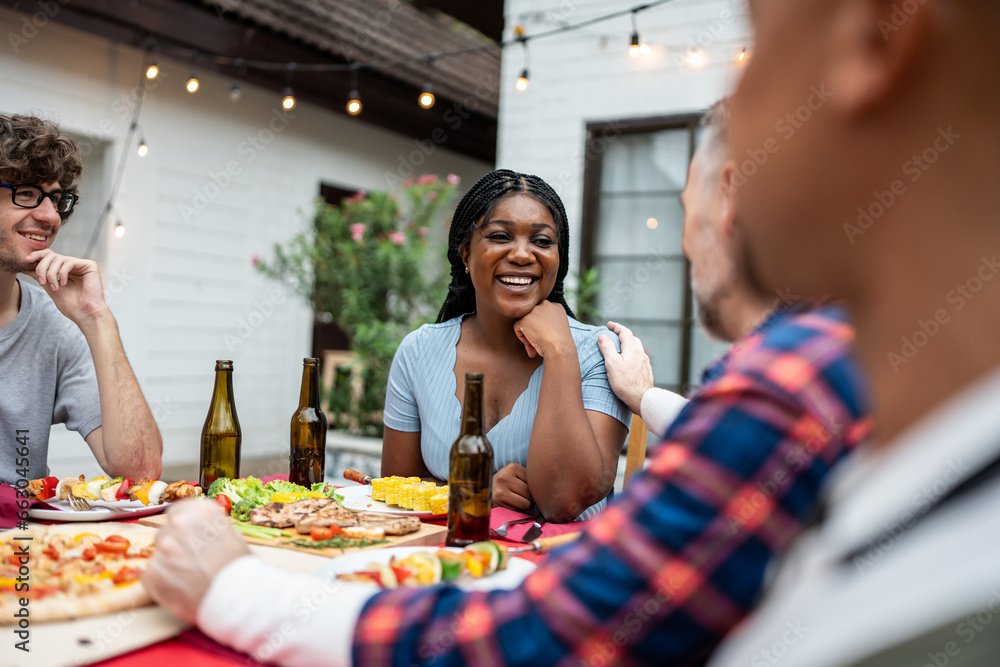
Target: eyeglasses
{"points": [[31, 196]]}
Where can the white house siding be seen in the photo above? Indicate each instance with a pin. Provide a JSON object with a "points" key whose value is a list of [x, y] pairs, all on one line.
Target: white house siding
{"points": [[181, 282], [587, 76]]}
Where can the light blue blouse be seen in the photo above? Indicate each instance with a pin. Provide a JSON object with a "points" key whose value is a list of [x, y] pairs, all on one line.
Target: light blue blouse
{"points": [[421, 396]]}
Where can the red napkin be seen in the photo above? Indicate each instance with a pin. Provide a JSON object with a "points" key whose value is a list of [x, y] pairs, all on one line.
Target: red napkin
{"points": [[8, 506], [501, 515]]}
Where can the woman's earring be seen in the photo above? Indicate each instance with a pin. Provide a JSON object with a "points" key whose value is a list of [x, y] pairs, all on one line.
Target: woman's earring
{"points": [[466, 269]]}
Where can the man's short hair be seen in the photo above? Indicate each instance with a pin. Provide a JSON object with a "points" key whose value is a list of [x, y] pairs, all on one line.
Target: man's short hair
{"points": [[34, 151], [715, 139]]}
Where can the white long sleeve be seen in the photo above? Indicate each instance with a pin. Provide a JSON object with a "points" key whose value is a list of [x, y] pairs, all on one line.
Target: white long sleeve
{"points": [[658, 409], [283, 617]]}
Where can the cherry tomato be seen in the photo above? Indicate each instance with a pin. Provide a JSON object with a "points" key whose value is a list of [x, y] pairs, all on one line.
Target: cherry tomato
{"points": [[110, 546], [16, 560], [122, 492], [336, 531], [224, 502], [402, 573], [89, 553], [125, 575], [320, 533]]}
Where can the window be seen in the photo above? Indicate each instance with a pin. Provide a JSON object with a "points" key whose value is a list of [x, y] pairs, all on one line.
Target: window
{"points": [[632, 225]]}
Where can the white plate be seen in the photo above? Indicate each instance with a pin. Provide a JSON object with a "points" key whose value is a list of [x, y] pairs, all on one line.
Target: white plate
{"points": [[360, 498], [99, 511], [511, 577]]}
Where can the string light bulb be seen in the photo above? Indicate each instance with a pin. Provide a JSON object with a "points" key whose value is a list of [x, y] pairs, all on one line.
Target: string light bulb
{"points": [[119, 230], [636, 48], [354, 97], [234, 92], [288, 101], [193, 84], [152, 71], [143, 148], [522, 81], [743, 56], [426, 98], [354, 103], [696, 57]]}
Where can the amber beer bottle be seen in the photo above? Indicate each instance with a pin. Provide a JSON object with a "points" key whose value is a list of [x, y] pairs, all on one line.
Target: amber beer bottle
{"points": [[221, 436], [307, 460], [470, 472]]}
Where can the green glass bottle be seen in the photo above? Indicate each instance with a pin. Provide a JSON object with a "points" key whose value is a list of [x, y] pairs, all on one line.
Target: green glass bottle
{"points": [[221, 436], [307, 459], [470, 472]]}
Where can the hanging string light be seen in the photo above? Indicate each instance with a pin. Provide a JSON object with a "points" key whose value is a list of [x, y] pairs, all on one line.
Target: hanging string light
{"points": [[288, 99], [742, 58], [426, 99], [636, 48], [119, 230], [152, 70], [695, 58], [522, 81], [143, 148], [354, 97]]}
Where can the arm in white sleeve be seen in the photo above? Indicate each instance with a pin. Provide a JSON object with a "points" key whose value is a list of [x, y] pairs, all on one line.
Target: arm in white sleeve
{"points": [[282, 617], [658, 409]]}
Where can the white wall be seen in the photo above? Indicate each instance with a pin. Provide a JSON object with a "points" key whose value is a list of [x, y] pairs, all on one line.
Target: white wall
{"points": [[587, 76], [181, 281]]}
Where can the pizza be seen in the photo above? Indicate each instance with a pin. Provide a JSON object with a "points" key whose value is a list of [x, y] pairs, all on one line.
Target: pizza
{"points": [[72, 570]]}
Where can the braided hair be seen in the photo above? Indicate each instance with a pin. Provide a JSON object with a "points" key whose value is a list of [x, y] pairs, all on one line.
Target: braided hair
{"points": [[475, 209]]}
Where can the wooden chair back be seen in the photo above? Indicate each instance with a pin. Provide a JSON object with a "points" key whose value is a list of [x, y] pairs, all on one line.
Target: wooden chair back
{"points": [[636, 448]]}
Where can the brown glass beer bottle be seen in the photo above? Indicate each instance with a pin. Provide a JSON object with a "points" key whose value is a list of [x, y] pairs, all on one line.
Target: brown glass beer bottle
{"points": [[470, 472], [221, 436], [307, 460]]}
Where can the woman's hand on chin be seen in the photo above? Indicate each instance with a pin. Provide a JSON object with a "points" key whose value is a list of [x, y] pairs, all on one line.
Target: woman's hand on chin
{"points": [[545, 330], [510, 488]]}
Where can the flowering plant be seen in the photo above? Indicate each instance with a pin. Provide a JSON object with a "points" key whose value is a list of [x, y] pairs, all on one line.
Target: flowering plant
{"points": [[365, 266]]}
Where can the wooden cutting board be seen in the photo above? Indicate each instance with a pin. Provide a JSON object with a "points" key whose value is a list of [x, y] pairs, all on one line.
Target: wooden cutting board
{"points": [[428, 535]]}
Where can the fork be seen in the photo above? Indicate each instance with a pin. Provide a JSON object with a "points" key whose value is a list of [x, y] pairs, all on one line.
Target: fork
{"points": [[502, 530], [79, 504]]}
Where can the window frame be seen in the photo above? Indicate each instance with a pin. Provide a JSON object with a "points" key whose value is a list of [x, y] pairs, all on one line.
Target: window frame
{"points": [[594, 148]]}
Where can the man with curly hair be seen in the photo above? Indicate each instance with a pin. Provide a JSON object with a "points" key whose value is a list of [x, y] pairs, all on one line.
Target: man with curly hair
{"points": [[61, 357]]}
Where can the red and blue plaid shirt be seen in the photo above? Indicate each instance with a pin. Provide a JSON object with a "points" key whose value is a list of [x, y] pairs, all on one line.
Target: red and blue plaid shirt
{"points": [[678, 559]]}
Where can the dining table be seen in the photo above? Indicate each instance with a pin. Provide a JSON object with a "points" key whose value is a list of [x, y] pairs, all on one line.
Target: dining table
{"points": [[192, 648]]}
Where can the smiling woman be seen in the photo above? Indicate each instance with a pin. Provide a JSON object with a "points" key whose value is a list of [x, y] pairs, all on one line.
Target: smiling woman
{"points": [[554, 423]]}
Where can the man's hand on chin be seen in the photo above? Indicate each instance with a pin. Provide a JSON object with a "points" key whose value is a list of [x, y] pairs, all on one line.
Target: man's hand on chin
{"points": [[74, 284]]}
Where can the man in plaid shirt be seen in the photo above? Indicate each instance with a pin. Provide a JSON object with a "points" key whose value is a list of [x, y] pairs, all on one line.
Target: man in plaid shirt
{"points": [[658, 578]]}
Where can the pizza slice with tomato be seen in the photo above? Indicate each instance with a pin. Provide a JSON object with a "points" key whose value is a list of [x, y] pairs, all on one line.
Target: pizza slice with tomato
{"points": [[69, 571]]}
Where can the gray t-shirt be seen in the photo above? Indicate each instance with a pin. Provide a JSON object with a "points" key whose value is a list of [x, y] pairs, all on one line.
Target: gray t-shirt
{"points": [[46, 377]]}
